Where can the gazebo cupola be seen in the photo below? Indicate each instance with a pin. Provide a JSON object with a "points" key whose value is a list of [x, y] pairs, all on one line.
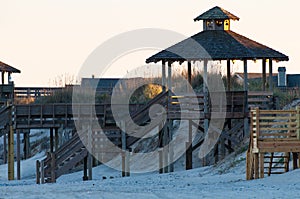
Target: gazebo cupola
{"points": [[216, 19]]}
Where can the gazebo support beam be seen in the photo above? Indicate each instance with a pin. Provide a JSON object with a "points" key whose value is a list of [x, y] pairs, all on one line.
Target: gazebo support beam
{"points": [[271, 75], [189, 148], [246, 124], [228, 76], [163, 75], [189, 73], [205, 92], [264, 79], [170, 134]]}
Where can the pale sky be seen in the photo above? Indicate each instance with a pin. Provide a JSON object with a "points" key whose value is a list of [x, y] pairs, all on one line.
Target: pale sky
{"points": [[47, 39]]}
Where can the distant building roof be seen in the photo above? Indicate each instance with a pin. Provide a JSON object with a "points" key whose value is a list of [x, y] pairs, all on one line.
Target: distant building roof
{"points": [[108, 84], [254, 75], [7, 68], [216, 13], [217, 45], [293, 80]]}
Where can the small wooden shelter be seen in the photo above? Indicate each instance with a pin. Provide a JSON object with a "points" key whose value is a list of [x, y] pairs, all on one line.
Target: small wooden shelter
{"points": [[6, 86], [217, 42]]}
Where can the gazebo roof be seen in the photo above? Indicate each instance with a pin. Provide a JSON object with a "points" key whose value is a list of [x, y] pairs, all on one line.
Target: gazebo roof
{"points": [[7, 68], [217, 45], [216, 13]]}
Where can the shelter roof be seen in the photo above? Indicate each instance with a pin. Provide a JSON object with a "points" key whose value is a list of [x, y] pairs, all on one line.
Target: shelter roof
{"points": [[217, 45], [7, 68], [216, 13]]}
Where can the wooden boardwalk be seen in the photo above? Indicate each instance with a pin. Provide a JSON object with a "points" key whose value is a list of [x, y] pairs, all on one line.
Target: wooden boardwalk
{"points": [[185, 107]]}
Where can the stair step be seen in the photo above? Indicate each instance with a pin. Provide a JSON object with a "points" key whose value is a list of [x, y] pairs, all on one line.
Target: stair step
{"points": [[275, 172], [276, 156], [275, 167]]}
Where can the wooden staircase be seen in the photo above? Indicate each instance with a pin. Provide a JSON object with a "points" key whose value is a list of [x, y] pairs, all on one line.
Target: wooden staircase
{"points": [[274, 135], [63, 160], [71, 154]]}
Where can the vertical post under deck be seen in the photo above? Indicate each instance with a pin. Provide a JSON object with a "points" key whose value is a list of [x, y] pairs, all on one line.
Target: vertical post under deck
{"points": [[4, 148], [26, 144], [51, 141], [11, 173], [18, 155], [56, 137], [90, 157]]}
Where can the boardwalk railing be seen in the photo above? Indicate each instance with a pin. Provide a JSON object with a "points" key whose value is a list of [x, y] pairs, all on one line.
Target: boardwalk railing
{"points": [[272, 131], [34, 92]]}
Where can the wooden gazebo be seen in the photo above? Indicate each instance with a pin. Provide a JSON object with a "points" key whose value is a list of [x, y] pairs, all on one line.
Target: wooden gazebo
{"points": [[217, 42]]}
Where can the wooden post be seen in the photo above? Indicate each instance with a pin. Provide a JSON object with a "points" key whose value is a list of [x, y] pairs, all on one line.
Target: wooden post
{"points": [[255, 165], [125, 153], [261, 165], [163, 75], [27, 145], [189, 149], [160, 163], [167, 133], [42, 172], [286, 161], [18, 155], [264, 75], [4, 148], [298, 121], [38, 173], [171, 147], [228, 76], [160, 146], [2, 79], [295, 162], [127, 164], [205, 91], [11, 173], [89, 156], [246, 124], [56, 136], [222, 147], [271, 88], [51, 141], [85, 176], [53, 168], [123, 164], [189, 75], [165, 149]]}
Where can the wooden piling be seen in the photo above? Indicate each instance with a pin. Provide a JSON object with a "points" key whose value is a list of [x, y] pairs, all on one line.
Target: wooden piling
{"points": [[38, 173], [53, 168], [42, 172], [18, 155]]}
